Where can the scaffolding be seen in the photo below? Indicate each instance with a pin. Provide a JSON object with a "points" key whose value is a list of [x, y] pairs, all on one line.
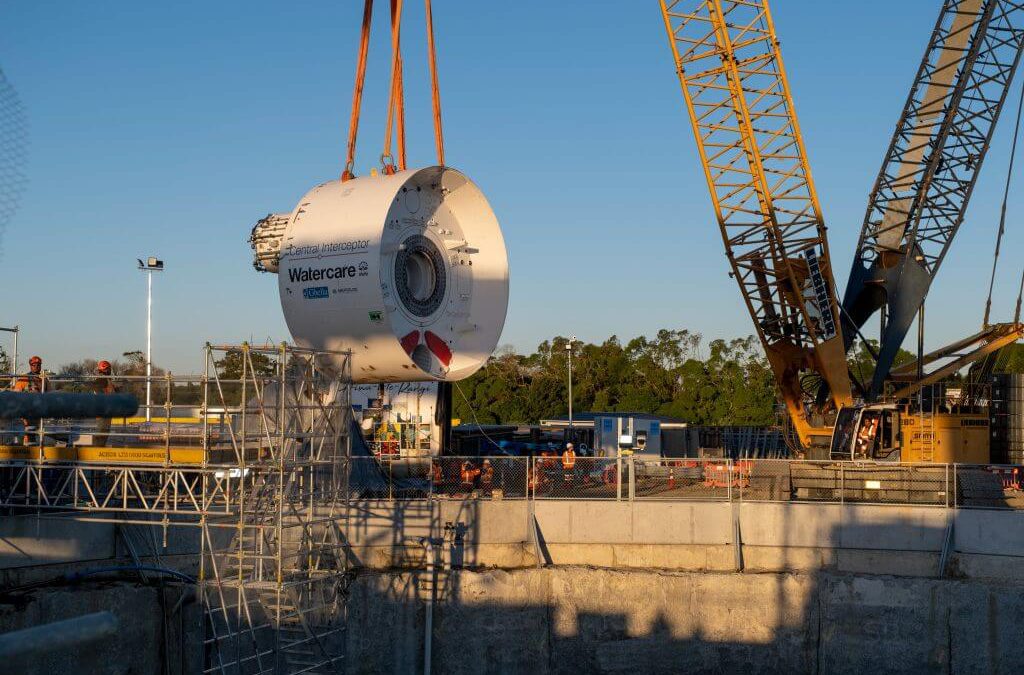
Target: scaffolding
{"points": [[261, 469]]}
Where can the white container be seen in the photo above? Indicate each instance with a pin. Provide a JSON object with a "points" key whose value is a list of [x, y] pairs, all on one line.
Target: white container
{"points": [[408, 271]]}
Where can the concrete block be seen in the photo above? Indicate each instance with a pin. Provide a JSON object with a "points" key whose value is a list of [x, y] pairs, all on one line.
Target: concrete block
{"points": [[554, 520], [380, 522], [989, 532], [27, 541], [501, 522], [896, 563], [597, 555], [786, 559], [593, 522], [897, 528], [684, 557], [797, 525], [976, 566], [682, 523]]}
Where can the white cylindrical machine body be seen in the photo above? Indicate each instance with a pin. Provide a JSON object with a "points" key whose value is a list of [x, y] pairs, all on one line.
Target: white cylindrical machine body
{"points": [[409, 272]]}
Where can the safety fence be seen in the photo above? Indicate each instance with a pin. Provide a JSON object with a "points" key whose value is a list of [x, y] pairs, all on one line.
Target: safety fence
{"points": [[685, 479]]}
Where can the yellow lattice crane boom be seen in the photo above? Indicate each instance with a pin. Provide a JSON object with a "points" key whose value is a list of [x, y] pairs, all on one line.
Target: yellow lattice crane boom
{"points": [[732, 76]]}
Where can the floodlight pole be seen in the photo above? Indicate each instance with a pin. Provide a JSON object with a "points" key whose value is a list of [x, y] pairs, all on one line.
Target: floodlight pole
{"points": [[149, 266], [149, 344], [568, 347]]}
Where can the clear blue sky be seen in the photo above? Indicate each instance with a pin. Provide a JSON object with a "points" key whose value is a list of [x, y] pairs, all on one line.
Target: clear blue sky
{"points": [[170, 128]]}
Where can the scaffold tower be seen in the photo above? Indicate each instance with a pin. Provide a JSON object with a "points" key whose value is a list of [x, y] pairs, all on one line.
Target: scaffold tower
{"points": [[255, 454]]}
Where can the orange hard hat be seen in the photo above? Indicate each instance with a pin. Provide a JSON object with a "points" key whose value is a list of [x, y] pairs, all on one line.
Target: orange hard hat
{"points": [[103, 366], [35, 359]]}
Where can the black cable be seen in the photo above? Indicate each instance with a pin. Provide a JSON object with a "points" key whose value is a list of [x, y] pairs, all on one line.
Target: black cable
{"points": [[1002, 216], [81, 574], [473, 411]]}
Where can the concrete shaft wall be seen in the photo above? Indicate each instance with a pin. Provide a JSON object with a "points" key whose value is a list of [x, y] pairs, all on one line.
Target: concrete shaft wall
{"points": [[696, 536], [144, 642], [584, 620], [814, 598]]}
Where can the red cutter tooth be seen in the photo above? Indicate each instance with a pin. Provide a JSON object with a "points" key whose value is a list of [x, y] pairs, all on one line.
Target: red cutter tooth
{"points": [[410, 342], [439, 348]]}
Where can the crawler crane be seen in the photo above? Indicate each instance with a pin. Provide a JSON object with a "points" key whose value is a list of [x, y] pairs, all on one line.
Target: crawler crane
{"points": [[738, 98]]}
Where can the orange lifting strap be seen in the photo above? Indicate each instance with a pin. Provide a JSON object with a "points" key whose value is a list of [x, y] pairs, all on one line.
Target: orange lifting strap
{"points": [[396, 97], [357, 95], [396, 93], [435, 87]]}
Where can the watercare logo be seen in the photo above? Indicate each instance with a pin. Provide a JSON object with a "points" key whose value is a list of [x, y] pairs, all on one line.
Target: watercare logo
{"points": [[304, 274], [316, 293]]}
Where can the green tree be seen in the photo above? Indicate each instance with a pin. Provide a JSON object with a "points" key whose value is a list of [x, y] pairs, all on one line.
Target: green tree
{"points": [[862, 362], [232, 366], [667, 374]]}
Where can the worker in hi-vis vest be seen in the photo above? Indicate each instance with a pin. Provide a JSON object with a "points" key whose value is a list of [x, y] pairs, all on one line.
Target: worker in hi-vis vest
{"points": [[35, 381], [569, 463]]}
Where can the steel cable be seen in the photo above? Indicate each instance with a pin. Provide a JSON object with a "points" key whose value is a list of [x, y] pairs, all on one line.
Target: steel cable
{"points": [[1002, 218]]}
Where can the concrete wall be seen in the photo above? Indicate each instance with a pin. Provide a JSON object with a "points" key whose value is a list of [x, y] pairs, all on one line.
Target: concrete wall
{"points": [[384, 534], [27, 541], [819, 592], [144, 642], [697, 536], [694, 536], [582, 620]]}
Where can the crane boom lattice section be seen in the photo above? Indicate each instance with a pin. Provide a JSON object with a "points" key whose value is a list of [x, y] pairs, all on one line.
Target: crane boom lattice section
{"points": [[932, 163], [942, 137], [736, 91]]}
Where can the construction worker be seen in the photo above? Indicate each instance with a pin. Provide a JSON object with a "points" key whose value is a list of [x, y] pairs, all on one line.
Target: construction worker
{"points": [[487, 478], [468, 475], [35, 381], [436, 475], [866, 436], [569, 463], [103, 384]]}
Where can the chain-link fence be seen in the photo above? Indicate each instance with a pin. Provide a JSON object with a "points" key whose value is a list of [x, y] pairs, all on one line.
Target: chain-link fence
{"points": [[579, 478], [483, 477], [682, 479]]}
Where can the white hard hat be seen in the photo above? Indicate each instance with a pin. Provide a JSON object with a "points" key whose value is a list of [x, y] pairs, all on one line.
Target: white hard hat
{"points": [[569, 445]]}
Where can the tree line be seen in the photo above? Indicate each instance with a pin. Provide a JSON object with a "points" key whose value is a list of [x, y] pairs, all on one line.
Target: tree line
{"points": [[676, 373]]}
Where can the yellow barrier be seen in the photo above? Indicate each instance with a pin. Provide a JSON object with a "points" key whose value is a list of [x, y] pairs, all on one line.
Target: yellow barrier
{"points": [[132, 455]]}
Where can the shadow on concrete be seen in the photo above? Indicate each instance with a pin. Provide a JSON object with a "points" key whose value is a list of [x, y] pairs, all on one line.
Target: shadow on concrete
{"points": [[593, 620]]}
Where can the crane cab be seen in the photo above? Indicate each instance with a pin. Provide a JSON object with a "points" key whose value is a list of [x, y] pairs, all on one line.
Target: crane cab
{"points": [[867, 432], [890, 433]]}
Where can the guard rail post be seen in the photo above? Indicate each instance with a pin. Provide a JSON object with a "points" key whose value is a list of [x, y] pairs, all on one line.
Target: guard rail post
{"points": [[618, 477], [842, 482], [632, 478], [956, 489]]}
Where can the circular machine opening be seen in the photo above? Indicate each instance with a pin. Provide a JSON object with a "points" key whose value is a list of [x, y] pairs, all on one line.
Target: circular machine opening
{"points": [[420, 276]]}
